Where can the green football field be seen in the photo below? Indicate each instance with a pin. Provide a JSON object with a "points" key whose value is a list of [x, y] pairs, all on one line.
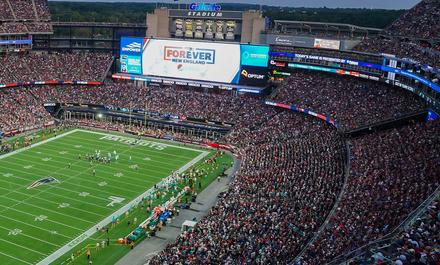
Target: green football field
{"points": [[51, 199]]}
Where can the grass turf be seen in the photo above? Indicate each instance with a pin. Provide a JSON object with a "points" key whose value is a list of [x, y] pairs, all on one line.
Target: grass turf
{"points": [[35, 222], [112, 253]]}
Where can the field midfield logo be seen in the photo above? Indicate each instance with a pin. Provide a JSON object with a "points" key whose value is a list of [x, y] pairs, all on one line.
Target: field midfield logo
{"points": [[43, 181], [189, 55], [114, 200]]}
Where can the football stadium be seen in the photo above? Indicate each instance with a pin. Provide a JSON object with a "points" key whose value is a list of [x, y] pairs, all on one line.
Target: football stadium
{"points": [[216, 133]]}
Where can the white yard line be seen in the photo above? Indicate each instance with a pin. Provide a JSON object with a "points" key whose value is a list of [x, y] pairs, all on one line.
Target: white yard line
{"points": [[37, 144], [12, 257], [72, 184], [29, 236], [54, 203], [50, 172], [135, 152], [63, 250], [49, 220], [55, 255], [23, 247], [61, 196], [34, 226]]}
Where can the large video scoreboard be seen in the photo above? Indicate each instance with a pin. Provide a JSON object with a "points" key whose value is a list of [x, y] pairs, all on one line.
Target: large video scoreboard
{"points": [[229, 63]]}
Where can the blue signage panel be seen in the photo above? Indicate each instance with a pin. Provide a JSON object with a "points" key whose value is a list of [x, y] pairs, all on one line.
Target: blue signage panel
{"points": [[254, 55], [15, 42], [204, 7], [131, 55]]}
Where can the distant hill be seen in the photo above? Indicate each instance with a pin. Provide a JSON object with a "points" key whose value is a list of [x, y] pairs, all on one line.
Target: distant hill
{"points": [[135, 13]]}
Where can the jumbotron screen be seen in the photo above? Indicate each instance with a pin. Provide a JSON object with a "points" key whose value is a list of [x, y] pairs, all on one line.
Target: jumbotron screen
{"points": [[203, 61]]}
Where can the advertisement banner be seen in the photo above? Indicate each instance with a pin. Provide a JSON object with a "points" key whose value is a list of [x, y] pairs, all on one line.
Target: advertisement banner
{"points": [[131, 55], [15, 42], [215, 62], [192, 60], [287, 40], [254, 55], [327, 44], [253, 76]]}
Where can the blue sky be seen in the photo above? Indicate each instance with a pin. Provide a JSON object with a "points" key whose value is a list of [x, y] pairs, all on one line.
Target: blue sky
{"points": [[386, 4]]}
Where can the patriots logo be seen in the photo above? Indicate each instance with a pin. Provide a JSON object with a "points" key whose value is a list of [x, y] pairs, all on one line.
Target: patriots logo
{"points": [[44, 181]]}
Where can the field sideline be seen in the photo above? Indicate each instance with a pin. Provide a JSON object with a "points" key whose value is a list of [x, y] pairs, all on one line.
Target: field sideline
{"points": [[50, 197]]}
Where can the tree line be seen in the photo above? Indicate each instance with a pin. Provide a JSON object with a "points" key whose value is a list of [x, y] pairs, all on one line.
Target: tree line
{"points": [[136, 12]]}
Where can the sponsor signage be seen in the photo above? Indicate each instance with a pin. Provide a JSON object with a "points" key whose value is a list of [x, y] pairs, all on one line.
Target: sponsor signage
{"points": [[15, 42], [201, 61], [215, 62], [275, 72], [278, 64], [131, 55], [180, 83], [327, 44], [205, 7], [253, 76], [189, 55], [286, 40], [254, 55], [212, 14]]}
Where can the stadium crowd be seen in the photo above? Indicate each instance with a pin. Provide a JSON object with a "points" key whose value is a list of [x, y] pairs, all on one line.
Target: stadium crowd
{"points": [[417, 243], [351, 101], [420, 22], [179, 101], [24, 10], [20, 111], [391, 173], [293, 166], [24, 16], [292, 172], [54, 66], [420, 243], [414, 50], [22, 108]]}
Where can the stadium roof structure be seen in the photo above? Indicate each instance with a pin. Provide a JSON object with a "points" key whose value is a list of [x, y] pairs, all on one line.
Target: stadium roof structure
{"points": [[322, 28]]}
